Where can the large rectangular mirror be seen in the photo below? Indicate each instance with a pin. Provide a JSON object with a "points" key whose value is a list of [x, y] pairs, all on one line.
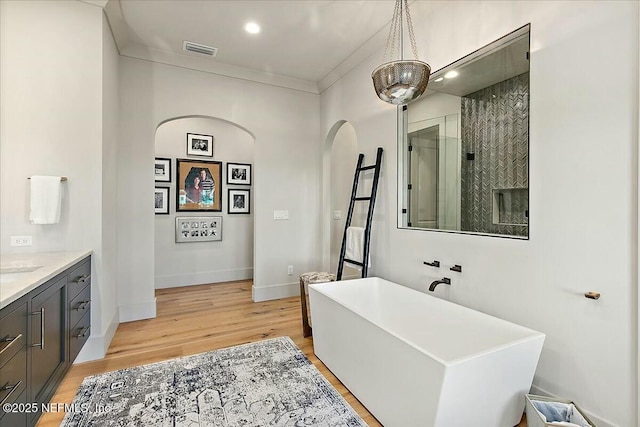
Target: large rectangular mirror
{"points": [[463, 147]]}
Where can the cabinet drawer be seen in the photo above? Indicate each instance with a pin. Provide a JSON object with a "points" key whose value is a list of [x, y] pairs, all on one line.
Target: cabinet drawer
{"points": [[15, 418], [13, 332], [79, 335], [78, 278], [13, 377], [79, 306]]}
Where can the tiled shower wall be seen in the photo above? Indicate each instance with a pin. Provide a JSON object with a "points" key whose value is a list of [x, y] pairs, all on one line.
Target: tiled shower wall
{"points": [[495, 128]]}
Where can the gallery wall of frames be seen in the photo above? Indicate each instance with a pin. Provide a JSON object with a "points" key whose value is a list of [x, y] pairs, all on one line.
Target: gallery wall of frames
{"points": [[200, 182]]}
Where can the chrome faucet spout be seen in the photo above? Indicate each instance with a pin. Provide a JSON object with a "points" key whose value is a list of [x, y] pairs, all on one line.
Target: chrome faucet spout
{"points": [[435, 283]]}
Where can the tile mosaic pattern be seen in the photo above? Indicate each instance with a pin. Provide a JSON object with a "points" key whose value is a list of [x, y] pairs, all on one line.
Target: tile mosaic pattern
{"points": [[268, 383], [495, 128]]}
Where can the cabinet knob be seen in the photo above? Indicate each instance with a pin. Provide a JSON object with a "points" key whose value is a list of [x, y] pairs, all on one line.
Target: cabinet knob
{"points": [[82, 305], [83, 279], [83, 332]]}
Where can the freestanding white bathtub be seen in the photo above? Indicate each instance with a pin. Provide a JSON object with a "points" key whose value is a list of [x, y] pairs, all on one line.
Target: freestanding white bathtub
{"points": [[416, 360]]}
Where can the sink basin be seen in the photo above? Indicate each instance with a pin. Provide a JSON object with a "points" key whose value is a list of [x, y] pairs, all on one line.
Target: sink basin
{"points": [[18, 268], [11, 277], [15, 271]]}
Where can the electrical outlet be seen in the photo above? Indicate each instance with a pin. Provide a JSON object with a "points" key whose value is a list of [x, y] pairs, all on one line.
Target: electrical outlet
{"points": [[290, 270], [337, 214], [21, 241]]}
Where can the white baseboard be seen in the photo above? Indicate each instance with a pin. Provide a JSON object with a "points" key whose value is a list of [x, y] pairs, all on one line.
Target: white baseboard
{"points": [[599, 421], [97, 345], [178, 280], [138, 311], [283, 290]]}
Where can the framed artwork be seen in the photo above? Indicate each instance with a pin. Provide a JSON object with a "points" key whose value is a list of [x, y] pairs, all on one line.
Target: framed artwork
{"points": [[199, 145], [238, 201], [190, 229], [162, 201], [239, 173], [198, 186], [162, 170]]}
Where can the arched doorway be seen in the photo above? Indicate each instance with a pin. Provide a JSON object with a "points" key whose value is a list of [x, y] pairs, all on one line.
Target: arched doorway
{"points": [[340, 158], [198, 261]]}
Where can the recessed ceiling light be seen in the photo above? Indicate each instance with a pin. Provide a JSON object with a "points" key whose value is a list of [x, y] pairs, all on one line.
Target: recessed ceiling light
{"points": [[439, 79], [451, 74], [252, 28]]}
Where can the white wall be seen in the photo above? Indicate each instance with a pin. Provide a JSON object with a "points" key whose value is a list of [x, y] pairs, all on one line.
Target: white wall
{"points": [[183, 264], [285, 126], [583, 169], [54, 119], [51, 118], [105, 306]]}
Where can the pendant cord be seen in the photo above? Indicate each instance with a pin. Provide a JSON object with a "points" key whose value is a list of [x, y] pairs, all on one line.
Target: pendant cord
{"points": [[389, 50], [395, 40], [412, 36]]}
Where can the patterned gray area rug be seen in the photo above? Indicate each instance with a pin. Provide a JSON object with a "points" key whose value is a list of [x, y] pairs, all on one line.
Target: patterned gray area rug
{"points": [[267, 383]]}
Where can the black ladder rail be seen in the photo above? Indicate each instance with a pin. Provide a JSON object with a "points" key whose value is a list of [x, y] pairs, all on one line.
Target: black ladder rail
{"points": [[367, 229]]}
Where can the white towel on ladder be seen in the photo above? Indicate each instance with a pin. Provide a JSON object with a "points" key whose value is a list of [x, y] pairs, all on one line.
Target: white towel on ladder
{"points": [[46, 199], [355, 246]]}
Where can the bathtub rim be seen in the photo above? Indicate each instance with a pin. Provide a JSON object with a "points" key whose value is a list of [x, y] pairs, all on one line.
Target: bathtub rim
{"points": [[533, 334]]}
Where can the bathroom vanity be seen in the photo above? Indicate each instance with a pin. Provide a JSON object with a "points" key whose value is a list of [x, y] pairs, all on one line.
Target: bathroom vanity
{"points": [[45, 319]]}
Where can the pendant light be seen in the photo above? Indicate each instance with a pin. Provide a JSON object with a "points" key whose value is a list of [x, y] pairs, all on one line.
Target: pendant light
{"points": [[400, 81]]}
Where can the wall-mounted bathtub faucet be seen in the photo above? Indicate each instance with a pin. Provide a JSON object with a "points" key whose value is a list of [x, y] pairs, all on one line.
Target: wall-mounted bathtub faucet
{"points": [[435, 283], [432, 264], [457, 268]]}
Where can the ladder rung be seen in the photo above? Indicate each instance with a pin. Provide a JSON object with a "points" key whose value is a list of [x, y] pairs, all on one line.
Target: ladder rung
{"points": [[362, 198], [350, 261], [364, 168]]}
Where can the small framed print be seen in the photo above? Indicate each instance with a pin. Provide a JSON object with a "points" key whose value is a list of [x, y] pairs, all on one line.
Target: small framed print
{"points": [[162, 170], [239, 173], [162, 201], [199, 145], [238, 201], [191, 229]]}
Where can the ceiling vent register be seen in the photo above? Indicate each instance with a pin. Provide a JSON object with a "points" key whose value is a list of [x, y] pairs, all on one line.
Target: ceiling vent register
{"points": [[198, 48]]}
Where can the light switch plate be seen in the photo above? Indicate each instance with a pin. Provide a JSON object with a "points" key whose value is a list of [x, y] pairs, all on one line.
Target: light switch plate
{"points": [[280, 214], [337, 214]]}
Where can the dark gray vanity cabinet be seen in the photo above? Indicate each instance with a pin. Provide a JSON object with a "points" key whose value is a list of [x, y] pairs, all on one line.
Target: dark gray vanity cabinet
{"points": [[79, 307], [49, 357], [13, 361], [40, 336]]}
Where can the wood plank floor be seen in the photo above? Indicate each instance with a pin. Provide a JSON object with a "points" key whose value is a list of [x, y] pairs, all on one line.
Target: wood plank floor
{"points": [[196, 319]]}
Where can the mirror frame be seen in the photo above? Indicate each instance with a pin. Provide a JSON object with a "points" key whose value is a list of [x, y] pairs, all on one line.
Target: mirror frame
{"points": [[402, 136]]}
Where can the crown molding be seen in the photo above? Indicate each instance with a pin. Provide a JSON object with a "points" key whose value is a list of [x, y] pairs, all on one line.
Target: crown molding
{"points": [[206, 65], [99, 3]]}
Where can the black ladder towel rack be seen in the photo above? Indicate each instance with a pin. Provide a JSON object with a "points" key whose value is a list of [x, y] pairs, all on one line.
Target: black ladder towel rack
{"points": [[367, 229]]}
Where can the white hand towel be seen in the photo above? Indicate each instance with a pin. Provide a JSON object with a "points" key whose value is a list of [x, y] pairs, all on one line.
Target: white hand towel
{"points": [[355, 246], [46, 199]]}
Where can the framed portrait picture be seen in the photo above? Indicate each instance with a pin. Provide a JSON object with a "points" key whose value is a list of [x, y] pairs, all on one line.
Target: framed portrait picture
{"points": [[198, 185], [239, 173], [162, 170], [199, 145], [238, 201], [162, 201]]}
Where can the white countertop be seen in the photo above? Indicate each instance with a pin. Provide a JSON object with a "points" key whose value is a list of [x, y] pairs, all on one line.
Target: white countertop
{"points": [[22, 273]]}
